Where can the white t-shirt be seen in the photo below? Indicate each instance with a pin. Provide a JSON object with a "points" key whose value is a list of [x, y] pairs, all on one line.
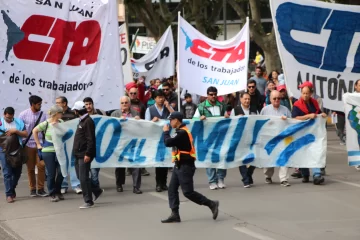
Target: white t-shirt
{"points": [[9, 125]]}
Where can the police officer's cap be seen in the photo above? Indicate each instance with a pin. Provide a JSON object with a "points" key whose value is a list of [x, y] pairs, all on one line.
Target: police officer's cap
{"points": [[176, 115]]}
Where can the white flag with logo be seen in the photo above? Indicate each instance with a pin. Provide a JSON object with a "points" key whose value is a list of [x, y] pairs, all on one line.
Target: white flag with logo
{"points": [[125, 54], [59, 48], [159, 62], [204, 62]]}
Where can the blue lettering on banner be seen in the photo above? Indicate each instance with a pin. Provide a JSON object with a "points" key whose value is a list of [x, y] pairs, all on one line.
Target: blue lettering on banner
{"points": [[138, 157], [249, 159], [216, 137], [115, 137], [310, 19], [235, 140], [129, 151], [161, 150], [258, 125]]}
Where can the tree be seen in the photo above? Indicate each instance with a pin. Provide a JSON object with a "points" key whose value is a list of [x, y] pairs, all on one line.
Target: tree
{"points": [[157, 16], [265, 40]]}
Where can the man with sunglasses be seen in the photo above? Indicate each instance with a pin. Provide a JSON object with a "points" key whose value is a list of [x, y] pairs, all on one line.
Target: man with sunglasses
{"points": [[125, 112], [170, 96], [276, 109], [211, 107], [256, 99]]}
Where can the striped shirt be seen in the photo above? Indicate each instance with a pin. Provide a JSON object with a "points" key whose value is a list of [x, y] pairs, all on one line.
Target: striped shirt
{"points": [[269, 110], [29, 118]]}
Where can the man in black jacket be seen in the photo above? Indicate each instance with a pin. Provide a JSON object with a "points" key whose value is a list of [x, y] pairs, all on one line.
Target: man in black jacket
{"points": [[256, 99], [84, 150], [184, 156]]}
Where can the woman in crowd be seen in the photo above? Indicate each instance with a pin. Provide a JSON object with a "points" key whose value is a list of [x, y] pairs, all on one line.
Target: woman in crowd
{"points": [[270, 87], [47, 153]]}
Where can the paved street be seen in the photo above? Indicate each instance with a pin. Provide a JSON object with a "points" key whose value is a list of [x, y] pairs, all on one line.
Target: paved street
{"points": [[264, 212]]}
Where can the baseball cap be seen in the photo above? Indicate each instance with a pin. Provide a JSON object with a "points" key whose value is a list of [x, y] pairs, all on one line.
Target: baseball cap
{"points": [[78, 105], [281, 87], [176, 115], [306, 84]]}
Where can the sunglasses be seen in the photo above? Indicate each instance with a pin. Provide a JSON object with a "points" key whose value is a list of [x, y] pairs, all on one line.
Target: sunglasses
{"points": [[276, 98], [251, 86], [212, 94], [124, 102], [132, 93]]}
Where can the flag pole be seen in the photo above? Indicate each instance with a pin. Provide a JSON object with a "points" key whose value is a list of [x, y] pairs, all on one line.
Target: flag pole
{"points": [[177, 70]]}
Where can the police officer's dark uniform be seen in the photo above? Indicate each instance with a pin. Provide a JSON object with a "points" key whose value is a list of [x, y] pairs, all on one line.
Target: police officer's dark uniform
{"points": [[184, 158]]}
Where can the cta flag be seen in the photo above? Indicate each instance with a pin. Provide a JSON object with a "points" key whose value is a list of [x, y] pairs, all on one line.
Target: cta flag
{"points": [[159, 62], [125, 54], [59, 48], [204, 62], [318, 42]]}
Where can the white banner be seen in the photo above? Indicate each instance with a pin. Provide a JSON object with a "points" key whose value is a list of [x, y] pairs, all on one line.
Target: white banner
{"points": [[125, 54], [352, 113], [143, 45], [159, 62], [204, 62], [220, 143], [317, 42], [59, 48]]}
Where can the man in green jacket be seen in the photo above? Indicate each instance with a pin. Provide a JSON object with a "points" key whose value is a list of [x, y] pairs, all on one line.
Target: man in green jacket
{"points": [[211, 107]]}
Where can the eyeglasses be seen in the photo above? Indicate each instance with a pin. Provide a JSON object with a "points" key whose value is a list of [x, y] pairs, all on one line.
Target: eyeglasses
{"points": [[276, 98], [132, 93], [212, 94], [124, 102], [165, 89], [251, 86]]}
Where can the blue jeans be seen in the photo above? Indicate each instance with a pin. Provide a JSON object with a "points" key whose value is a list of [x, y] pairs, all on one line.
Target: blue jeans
{"points": [[55, 178], [246, 173], [11, 176], [305, 172], [74, 181], [95, 177], [214, 174]]}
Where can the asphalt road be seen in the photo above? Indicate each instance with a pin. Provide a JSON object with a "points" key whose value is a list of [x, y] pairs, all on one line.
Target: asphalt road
{"points": [[264, 212]]}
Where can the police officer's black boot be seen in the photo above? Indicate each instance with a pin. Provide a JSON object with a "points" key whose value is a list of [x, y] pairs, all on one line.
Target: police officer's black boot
{"points": [[214, 207], [173, 218]]}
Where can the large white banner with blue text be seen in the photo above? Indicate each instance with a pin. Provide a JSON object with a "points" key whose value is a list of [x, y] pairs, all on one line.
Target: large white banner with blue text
{"points": [[352, 113], [59, 48], [318, 42], [220, 143], [204, 62]]}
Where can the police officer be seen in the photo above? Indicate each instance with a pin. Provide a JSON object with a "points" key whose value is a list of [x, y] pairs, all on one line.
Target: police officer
{"points": [[183, 155]]}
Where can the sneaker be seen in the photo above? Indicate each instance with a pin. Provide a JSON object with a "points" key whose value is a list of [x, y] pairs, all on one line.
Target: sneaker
{"points": [[285, 184], [10, 200], [213, 186], [33, 193], [318, 180], [296, 174], [53, 198], [144, 172], [221, 184], [42, 193], [323, 172], [357, 168], [63, 191], [342, 143], [247, 186], [87, 205], [97, 196], [268, 180], [61, 197], [77, 190], [215, 209], [305, 179]]}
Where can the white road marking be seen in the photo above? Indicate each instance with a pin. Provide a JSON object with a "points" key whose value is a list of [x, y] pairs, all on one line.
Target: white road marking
{"points": [[345, 182], [251, 233]]}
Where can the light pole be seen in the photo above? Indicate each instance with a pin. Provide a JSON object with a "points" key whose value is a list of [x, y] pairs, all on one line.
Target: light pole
{"points": [[224, 16]]}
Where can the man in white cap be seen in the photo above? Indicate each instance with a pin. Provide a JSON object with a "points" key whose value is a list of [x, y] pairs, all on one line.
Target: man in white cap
{"points": [[84, 150]]}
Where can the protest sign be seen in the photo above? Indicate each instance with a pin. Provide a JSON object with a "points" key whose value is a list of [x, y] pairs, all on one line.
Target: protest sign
{"points": [[317, 42], [261, 141], [125, 54], [159, 62], [59, 48], [352, 113], [143, 45], [204, 62]]}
